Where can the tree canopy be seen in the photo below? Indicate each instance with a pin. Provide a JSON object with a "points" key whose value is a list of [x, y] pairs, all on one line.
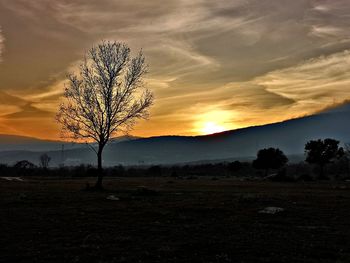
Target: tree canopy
{"points": [[271, 158], [322, 152]]}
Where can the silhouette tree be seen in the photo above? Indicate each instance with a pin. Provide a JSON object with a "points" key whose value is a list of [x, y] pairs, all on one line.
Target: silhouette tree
{"points": [[24, 168], [44, 160], [24, 164], [322, 152], [270, 158], [106, 97]]}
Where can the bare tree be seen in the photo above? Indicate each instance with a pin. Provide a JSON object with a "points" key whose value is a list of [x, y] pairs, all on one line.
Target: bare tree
{"points": [[106, 97], [44, 160]]}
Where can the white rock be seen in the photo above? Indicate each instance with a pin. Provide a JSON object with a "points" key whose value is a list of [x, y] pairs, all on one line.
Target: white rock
{"points": [[271, 210], [113, 198], [12, 179]]}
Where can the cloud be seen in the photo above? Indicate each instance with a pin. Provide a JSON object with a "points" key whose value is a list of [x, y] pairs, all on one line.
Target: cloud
{"points": [[2, 40], [28, 111], [7, 99], [303, 89], [262, 61], [323, 79]]}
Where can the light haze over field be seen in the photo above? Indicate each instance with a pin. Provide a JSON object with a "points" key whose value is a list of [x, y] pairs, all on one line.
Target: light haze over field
{"points": [[214, 65]]}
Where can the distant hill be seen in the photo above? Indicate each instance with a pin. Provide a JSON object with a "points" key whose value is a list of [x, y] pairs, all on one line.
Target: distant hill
{"points": [[23, 143], [290, 136], [14, 148]]}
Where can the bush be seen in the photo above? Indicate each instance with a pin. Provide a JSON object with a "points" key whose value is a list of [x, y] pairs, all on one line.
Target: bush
{"points": [[271, 158]]}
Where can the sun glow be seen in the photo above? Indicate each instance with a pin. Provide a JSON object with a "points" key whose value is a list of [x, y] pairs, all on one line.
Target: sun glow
{"points": [[213, 122], [212, 127]]}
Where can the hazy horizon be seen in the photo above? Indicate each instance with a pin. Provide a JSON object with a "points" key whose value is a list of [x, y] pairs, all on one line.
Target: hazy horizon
{"points": [[214, 66]]}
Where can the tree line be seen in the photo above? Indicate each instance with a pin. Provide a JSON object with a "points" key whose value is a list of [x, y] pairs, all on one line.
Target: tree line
{"points": [[318, 152], [324, 159]]}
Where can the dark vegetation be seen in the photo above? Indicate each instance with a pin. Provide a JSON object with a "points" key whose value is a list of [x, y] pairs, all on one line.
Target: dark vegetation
{"points": [[323, 152], [339, 170], [324, 160], [270, 158]]}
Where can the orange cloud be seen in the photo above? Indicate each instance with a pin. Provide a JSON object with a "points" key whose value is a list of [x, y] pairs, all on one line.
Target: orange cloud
{"points": [[252, 61]]}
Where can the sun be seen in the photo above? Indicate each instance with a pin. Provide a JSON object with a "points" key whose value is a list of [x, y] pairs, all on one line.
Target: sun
{"points": [[213, 121], [212, 127]]}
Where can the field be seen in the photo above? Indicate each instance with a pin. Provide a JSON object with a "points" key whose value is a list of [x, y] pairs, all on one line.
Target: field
{"points": [[200, 220]]}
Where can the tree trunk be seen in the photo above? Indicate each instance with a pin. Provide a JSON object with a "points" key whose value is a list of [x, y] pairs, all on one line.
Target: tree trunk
{"points": [[99, 168]]}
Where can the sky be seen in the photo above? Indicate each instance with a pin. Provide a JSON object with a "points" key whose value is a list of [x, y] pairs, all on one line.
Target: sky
{"points": [[213, 65]]}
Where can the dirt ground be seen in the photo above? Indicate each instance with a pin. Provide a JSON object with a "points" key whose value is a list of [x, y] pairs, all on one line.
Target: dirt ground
{"points": [[201, 220]]}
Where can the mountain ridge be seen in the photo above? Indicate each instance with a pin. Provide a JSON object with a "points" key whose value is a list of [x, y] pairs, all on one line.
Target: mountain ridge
{"points": [[290, 136]]}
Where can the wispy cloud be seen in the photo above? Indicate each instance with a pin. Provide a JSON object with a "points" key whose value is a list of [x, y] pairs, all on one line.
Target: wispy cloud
{"points": [[291, 92], [2, 40], [320, 79], [261, 61]]}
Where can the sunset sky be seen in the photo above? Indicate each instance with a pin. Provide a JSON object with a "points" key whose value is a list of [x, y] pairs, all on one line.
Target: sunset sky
{"points": [[214, 65]]}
